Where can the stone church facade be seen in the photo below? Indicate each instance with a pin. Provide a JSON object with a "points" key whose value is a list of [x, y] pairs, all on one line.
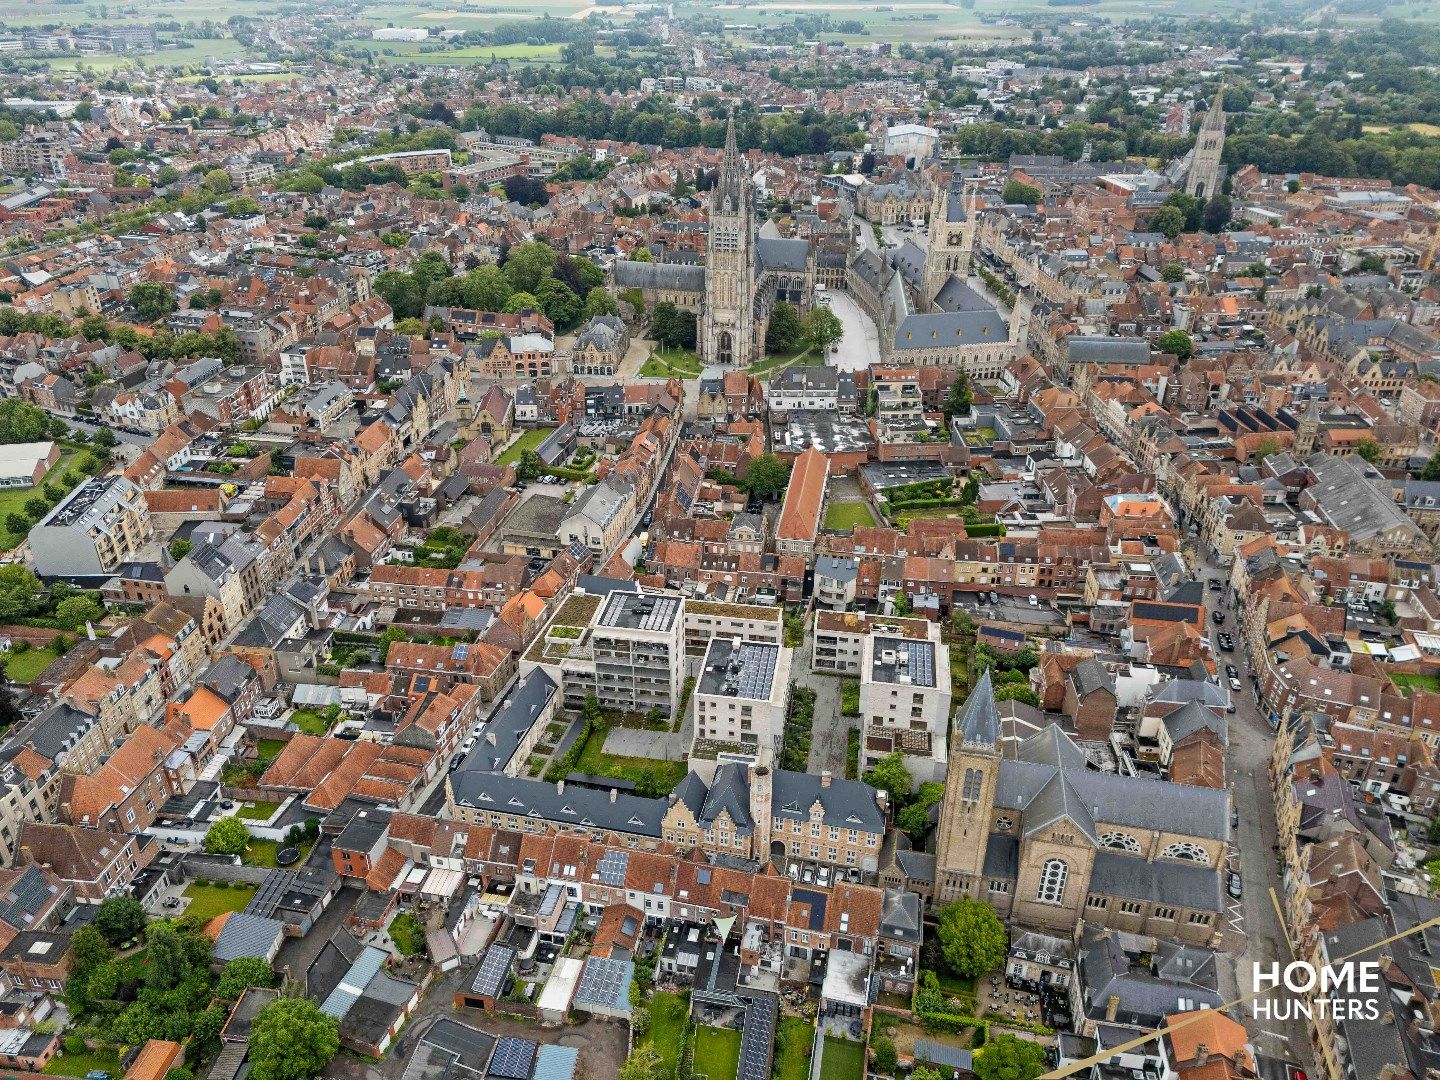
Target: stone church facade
{"points": [[1047, 839]]}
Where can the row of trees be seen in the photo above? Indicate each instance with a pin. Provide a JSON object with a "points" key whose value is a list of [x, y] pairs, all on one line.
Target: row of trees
{"points": [[161, 345], [532, 275]]}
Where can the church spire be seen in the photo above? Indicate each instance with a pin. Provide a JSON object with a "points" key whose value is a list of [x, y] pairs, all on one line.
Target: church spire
{"points": [[730, 136]]}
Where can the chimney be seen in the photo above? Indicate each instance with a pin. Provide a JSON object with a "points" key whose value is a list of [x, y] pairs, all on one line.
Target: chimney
{"points": [[825, 779], [614, 793], [559, 787], [1112, 1008], [1202, 1054]]}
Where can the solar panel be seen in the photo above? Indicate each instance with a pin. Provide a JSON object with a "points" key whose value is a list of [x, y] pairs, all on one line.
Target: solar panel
{"points": [[757, 1039], [604, 981], [513, 1058], [612, 866], [462, 652]]}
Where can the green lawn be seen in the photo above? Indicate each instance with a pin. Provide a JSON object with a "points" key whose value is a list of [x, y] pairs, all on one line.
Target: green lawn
{"points": [[842, 1059], [262, 852], [717, 1052], [207, 901], [27, 666], [80, 1064], [653, 777], [261, 811], [792, 1048], [12, 501], [844, 516], [528, 440], [672, 363], [309, 721], [669, 1022], [269, 749], [777, 362], [1409, 682]]}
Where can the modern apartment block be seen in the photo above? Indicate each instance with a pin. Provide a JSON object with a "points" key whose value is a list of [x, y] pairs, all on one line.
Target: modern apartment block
{"points": [[740, 701], [838, 642], [905, 702], [101, 524]]}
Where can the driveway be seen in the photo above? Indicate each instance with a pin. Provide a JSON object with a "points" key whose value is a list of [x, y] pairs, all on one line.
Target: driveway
{"points": [[829, 732], [860, 345]]}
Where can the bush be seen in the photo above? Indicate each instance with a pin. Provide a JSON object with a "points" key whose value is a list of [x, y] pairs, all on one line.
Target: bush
{"points": [[75, 1044]]}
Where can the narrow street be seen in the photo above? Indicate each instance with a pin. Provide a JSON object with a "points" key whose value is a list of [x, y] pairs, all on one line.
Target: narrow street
{"points": [[1252, 923]]}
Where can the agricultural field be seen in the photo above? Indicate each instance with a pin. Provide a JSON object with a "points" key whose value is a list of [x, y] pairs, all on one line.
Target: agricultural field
{"points": [[424, 52]]}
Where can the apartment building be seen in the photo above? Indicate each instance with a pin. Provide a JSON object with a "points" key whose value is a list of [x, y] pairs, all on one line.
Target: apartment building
{"points": [[740, 700], [638, 646], [838, 640], [905, 702], [706, 620], [100, 525]]}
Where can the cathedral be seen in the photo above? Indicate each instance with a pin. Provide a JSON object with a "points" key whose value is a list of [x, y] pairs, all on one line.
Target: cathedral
{"points": [[747, 271], [1045, 837], [1203, 173], [926, 311]]}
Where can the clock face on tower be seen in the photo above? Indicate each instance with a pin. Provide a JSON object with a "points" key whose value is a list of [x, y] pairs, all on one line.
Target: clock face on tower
{"points": [[955, 239]]}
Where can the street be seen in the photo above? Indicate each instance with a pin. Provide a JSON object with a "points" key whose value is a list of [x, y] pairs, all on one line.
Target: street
{"points": [[1252, 922]]}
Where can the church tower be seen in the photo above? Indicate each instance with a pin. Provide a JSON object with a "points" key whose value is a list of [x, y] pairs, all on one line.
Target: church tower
{"points": [[1203, 179], [951, 239], [963, 831], [727, 334]]}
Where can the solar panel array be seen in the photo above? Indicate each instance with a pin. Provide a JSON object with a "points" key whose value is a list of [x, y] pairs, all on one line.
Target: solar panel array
{"points": [[612, 867], [490, 975], [757, 1039], [757, 670], [513, 1058], [462, 652], [640, 610], [603, 981]]}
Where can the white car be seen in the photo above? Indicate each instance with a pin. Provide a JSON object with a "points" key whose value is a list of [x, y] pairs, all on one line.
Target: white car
{"points": [[1034, 600], [1235, 685]]}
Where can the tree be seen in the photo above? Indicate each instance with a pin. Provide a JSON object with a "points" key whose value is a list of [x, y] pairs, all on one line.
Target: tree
{"points": [[1265, 447], [529, 264], [1017, 691], [1017, 192], [925, 1072], [1217, 214], [891, 775], [120, 919], [1387, 611], [1431, 471], [960, 397], [1370, 450], [228, 836], [530, 465], [17, 525], [823, 328], [883, 1055], [89, 949], [1172, 273], [599, 302], [1006, 1057], [104, 437], [151, 300], [915, 818], [559, 302], [1169, 221], [19, 588], [782, 332], [522, 301], [76, 611], [1372, 264], [391, 635], [641, 254], [291, 1039], [1177, 343], [22, 422], [972, 939], [179, 1072], [644, 1063], [242, 206], [218, 181], [767, 476], [179, 548], [242, 973], [36, 506]]}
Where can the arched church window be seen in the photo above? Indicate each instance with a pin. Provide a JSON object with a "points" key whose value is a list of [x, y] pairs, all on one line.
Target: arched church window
{"points": [[1120, 841], [970, 792], [1052, 882], [1183, 849]]}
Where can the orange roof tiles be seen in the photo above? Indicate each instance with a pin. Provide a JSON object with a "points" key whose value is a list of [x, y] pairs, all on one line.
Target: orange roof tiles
{"points": [[800, 515]]}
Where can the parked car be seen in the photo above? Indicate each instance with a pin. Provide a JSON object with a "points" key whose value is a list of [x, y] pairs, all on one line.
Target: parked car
{"points": [[1218, 617], [1234, 886], [1235, 685], [1034, 600]]}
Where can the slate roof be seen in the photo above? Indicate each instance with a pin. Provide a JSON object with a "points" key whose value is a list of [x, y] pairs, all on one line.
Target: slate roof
{"points": [[777, 254], [979, 723], [652, 275], [1192, 717], [247, 935], [951, 328], [1161, 882], [522, 797]]}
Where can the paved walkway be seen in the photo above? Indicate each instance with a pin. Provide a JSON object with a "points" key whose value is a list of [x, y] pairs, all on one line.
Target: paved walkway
{"points": [[860, 345], [640, 743]]}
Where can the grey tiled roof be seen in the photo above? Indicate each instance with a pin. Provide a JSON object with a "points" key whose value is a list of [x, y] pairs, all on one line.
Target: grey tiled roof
{"points": [[653, 275], [1180, 884], [951, 328], [247, 935]]}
